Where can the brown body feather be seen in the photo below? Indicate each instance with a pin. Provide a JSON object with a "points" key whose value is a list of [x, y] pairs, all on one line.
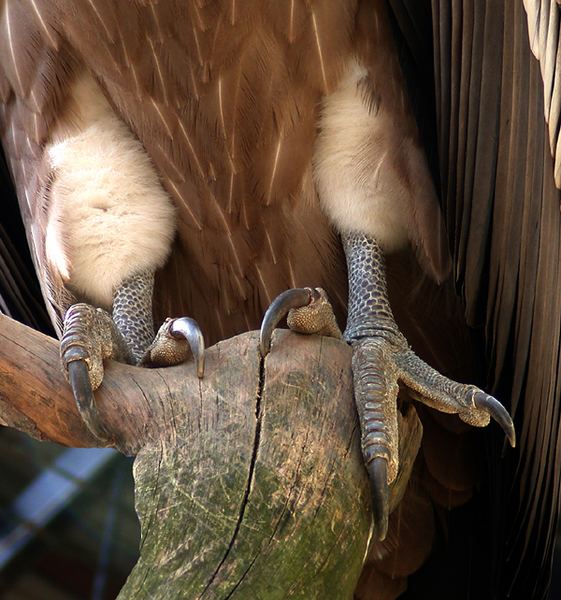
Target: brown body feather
{"points": [[224, 96]]}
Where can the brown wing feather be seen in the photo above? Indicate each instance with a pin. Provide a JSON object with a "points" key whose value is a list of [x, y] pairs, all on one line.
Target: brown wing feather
{"points": [[503, 213], [544, 20]]}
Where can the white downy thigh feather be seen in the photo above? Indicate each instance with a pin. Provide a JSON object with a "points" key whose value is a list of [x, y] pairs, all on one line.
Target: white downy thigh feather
{"points": [[358, 188], [109, 216]]}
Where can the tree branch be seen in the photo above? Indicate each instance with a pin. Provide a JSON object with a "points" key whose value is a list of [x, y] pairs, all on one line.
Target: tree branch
{"points": [[35, 397], [249, 478]]}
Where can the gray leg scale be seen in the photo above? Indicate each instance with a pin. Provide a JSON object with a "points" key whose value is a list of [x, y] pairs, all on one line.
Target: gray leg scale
{"points": [[382, 357], [369, 310], [373, 333], [132, 312]]}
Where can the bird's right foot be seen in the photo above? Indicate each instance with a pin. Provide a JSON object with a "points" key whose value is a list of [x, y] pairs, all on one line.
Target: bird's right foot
{"points": [[91, 335]]}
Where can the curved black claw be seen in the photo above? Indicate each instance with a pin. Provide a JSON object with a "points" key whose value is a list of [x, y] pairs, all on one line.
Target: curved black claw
{"points": [[498, 412], [378, 471], [279, 308], [78, 376], [187, 328]]}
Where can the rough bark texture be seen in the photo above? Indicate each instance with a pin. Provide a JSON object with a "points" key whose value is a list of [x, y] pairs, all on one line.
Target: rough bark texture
{"points": [[257, 489], [249, 482], [35, 397]]}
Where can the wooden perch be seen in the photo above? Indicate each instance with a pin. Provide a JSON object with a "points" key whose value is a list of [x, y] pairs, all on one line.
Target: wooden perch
{"points": [[249, 483], [35, 397]]}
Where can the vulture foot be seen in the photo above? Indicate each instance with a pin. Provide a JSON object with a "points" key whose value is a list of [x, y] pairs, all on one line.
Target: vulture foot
{"points": [[309, 311], [175, 341], [91, 335], [382, 360], [379, 366]]}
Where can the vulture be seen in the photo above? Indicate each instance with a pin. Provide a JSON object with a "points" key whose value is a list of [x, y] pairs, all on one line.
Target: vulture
{"points": [[197, 164]]}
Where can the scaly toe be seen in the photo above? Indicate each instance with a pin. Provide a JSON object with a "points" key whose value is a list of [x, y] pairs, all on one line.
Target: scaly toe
{"points": [[316, 318], [471, 404], [89, 336], [309, 312], [175, 341]]}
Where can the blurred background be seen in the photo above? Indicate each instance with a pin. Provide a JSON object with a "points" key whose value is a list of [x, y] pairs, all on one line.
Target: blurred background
{"points": [[68, 529]]}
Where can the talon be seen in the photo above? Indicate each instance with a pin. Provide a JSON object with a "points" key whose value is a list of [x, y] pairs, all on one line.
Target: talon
{"points": [[79, 378], [294, 298], [189, 329], [378, 471], [498, 412]]}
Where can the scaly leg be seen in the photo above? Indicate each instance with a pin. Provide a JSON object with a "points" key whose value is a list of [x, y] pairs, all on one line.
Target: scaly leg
{"points": [[91, 335], [381, 358]]}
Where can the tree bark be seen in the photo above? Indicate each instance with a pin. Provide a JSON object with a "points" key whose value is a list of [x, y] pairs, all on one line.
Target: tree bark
{"points": [[249, 482], [36, 399]]}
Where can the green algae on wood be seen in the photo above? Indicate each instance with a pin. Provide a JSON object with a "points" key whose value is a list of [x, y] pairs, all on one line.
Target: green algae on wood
{"points": [[255, 487]]}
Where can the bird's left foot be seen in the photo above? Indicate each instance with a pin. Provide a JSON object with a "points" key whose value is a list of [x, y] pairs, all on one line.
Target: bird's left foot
{"points": [[382, 359]]}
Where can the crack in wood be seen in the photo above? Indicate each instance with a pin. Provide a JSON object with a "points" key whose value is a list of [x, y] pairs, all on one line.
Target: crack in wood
{"points": [[279, 520], [249, 484], [132, 449]]}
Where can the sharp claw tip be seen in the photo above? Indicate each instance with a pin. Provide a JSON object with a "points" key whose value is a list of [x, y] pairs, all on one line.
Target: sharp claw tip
{"points": [[498, 412], [381, 531], [510, 434], [200, 371], [188, 329], [380, 496], [78, 374]]}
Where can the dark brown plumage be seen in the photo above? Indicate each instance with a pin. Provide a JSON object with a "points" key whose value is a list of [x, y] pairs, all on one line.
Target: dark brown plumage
{"points": [[503, 220]]}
